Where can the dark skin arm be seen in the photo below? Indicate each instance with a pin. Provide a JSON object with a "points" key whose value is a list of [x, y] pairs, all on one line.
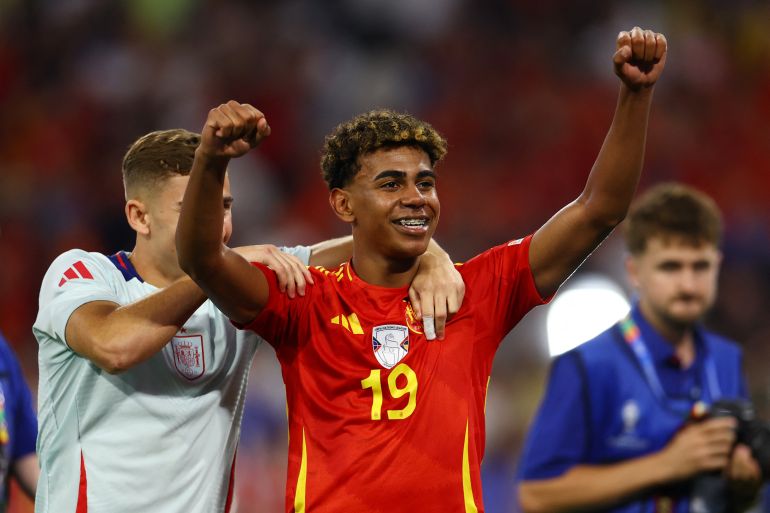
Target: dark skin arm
{"points": [[239, 289], [566, 240], [236, 287]]}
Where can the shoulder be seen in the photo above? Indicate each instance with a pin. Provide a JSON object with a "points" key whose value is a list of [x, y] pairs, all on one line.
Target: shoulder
{"points": [[517, 250], [721, 345], [301, 252], [83, 263], [601, 351], [77, 270]]}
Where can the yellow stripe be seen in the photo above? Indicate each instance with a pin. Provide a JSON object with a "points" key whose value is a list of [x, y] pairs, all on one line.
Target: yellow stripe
{"points": [[470, 504], [355, 325], [344, 322], [486, 394], [299, 494]]}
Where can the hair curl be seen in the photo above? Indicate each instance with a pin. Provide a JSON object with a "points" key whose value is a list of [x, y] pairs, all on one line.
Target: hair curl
{"points": [[672, 210], [372, 131]]}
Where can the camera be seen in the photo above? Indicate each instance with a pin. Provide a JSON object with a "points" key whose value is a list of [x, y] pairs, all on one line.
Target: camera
{"points": [[751, 431], [709, 490]]}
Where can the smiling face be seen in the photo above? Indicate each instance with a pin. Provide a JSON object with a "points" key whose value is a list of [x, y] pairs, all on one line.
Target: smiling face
{"points": [[676, 281], [392, 203]]}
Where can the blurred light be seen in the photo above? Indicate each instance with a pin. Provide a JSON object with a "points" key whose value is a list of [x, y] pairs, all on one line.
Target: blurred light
{"points": [[587, 306]]}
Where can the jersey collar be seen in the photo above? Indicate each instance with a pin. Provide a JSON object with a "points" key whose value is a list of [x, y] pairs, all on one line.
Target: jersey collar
{"points": [[124, 265]]}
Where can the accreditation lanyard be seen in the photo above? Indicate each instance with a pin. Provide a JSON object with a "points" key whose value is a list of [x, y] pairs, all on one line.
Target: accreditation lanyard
{"points": [[633, 337]]}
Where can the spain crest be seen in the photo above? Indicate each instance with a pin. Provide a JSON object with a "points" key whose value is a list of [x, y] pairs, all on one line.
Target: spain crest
{"points": [[189, 356], [390, 343]]}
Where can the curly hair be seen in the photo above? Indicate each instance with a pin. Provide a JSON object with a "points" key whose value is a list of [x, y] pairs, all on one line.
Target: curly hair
{"points": [[156, 156], [673, 210], [369, 132]]}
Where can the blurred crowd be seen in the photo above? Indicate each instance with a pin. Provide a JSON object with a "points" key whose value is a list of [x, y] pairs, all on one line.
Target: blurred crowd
{"points": [[522, 90]]}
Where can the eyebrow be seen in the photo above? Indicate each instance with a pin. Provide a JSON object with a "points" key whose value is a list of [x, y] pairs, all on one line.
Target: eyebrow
{"points": [[392, 173]]}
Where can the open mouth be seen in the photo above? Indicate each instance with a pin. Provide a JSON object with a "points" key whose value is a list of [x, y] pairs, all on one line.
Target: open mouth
{"points": [[413, 224]]}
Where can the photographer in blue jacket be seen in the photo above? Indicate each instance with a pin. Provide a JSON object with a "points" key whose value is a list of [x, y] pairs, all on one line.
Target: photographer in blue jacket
{"points": [[624, 425]]}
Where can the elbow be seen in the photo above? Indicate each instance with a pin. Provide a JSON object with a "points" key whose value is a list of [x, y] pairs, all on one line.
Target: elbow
{"points": [[112, 358], [530, 501], [113, 362], [603, 218]]}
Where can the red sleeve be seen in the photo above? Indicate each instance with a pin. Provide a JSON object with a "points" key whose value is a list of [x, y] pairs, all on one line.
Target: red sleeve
{"points": [[278, 322], [502, 286]]}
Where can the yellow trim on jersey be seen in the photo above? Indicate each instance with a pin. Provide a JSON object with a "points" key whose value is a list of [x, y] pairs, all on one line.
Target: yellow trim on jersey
{"points": [[299, 494], [355, 324], [470, 503], [486, 394]]}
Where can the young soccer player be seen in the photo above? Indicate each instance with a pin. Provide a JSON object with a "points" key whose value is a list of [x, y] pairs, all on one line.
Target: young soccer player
{"points": [[142, 380], [381, 419]]}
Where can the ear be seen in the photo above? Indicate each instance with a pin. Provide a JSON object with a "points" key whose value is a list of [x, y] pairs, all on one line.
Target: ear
{"points": [[341, 204], [138, 216], [632, 271]]}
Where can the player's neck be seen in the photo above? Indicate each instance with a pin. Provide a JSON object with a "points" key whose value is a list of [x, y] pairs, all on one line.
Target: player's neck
{"points": [[384, 272], [150, 267], [680, 336]]}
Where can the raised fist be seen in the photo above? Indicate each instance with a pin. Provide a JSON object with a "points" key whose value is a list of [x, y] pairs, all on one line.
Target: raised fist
{"points": [[232, 129], [640, 57]]}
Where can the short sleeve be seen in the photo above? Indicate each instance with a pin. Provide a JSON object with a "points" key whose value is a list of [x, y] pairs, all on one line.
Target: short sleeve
{"points": [[73, 279], [501, 281], [301, 252], [278, 322], [558, 437]]}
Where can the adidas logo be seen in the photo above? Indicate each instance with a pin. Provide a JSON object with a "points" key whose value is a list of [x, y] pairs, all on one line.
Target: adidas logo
{"points": [[77, 270], [349, 322]]}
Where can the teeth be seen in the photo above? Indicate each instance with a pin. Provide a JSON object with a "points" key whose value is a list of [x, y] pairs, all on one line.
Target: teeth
{"points": [[412, 222]]}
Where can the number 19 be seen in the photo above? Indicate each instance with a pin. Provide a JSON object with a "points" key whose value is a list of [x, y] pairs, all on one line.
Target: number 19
{"points": [[374, 382]]}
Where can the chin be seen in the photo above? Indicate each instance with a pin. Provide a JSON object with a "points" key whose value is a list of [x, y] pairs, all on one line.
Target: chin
{"points": [[687, 317]]}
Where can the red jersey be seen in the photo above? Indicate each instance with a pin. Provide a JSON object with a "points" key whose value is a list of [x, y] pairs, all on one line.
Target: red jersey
{"points": [[380, 418]]}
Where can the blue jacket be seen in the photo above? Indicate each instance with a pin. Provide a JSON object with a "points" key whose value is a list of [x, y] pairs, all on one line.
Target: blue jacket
{"points": [[600, 407]]}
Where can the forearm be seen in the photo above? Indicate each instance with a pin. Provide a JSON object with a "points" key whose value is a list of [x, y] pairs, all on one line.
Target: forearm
{"points": [[437, 251], [117, 339], [590, 486], [615, 174], [199, 232], [26, 470], [331, 253]]}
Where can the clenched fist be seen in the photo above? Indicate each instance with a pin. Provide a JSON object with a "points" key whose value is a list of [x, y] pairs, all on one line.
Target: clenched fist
{"points": [[232, 129], [640, 57]]}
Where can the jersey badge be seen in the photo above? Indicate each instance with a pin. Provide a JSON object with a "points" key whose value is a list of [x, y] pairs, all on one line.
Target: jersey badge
{"points": [[75, 271], [189, 355], [411, 319], [390, 343]]}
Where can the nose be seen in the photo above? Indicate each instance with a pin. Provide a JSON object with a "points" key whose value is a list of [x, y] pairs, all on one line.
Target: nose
{"points": [[413, 197], [688, 281]]}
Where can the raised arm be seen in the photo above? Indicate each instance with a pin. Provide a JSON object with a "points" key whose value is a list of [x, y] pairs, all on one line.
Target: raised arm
{"points": [[236, 287], [561, 245]]}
